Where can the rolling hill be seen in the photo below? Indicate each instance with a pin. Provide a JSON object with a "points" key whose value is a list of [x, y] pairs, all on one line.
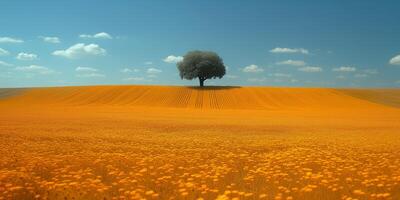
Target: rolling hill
{"points": [[248, 98]]}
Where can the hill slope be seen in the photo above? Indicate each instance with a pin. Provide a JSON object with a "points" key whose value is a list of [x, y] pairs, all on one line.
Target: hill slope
{"points": [[259, 98]]}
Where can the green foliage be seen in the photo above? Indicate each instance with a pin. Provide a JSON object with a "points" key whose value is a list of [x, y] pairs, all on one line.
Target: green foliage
{"points": [[202, 65]]}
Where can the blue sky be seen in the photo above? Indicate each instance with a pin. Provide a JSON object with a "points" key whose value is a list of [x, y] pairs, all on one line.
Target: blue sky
{"points": [[272, 43]]}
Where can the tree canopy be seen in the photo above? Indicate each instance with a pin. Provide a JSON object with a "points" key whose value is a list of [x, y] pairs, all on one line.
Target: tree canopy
{"points": [[202, 65]]}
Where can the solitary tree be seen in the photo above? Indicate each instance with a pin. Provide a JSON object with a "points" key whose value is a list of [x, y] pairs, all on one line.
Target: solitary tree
{"points": [[202, 65]]}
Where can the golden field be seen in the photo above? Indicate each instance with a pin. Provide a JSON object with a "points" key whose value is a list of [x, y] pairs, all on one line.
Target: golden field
{"points": [[165, 142]]}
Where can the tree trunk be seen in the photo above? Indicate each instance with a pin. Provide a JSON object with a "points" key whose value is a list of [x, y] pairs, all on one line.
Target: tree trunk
{"points": [[201, 81]]}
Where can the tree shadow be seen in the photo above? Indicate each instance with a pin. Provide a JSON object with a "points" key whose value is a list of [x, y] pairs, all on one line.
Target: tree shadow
{"points": [[213, 87], [9, 92]]}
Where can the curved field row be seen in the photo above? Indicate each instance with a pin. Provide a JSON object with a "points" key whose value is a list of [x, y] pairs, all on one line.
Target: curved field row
{"points": [[209, 98]]}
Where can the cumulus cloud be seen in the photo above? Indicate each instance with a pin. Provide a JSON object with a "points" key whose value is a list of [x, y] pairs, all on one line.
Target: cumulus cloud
{"points": [[395, 60], [79, 50], [26, 56], [173, 59], [292, 62], [344, 69], [54, 40], [4, 52], [102, 35], [10, 40], [310, 69], [2, 63], [289, 50], [35, 69], [153, 71], [252, 69], [85, 69]]}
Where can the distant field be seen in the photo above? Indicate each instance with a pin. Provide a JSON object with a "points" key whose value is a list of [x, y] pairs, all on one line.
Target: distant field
{"points": [[164, 142]]}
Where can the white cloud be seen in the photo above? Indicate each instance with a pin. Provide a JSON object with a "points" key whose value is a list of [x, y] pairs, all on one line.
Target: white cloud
{"points": [[292, 62], [252, 69], [257, 79], [10, 40], [54, 40], [126, 70], [79, 50], [153, 71], [35, 69], [91, 75], [340, 77], [148, 63], [231, 76], [4, 52], [310, 69], [26, 56], [173, 59], [361, 75], [85, 69], [395, 60], [134, 79], [102, 35], [370, 71], [151, 76], [344, 69], [281, 75], [2, 63], [289, 50]]}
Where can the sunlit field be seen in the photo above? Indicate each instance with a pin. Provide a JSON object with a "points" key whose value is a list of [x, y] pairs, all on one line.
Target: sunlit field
{"points": [[137, 142]]}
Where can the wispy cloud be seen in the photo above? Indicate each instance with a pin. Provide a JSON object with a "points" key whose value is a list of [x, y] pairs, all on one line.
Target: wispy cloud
{"points": [[344, 69], [85, 69], [281, 75], [340, 77], [134, 79], [2, 63], [173, 59], [79, 50], [148, 63], [26, 56], [361, 75], [35, 69], [102, 35], [4, 52], [153, 71], [292, 62], [53, 40], [310, 69], [370, 71], [231, 76], [395, 60], [289, 50], [252, 69], [257, 80], [126, 70], [91, 75], [88, 72], [10, 40]]}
